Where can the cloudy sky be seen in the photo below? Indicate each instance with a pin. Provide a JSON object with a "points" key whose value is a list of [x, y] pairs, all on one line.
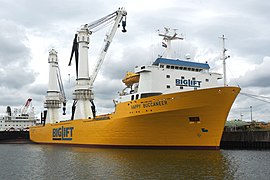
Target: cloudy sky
{"points": [[30, 28]]}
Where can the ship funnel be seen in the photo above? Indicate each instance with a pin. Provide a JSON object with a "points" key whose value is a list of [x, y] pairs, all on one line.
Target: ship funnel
{"points": [[8, 111]]}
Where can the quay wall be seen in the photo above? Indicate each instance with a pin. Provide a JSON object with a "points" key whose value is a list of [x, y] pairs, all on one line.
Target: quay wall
{"points": [[245, 140]]}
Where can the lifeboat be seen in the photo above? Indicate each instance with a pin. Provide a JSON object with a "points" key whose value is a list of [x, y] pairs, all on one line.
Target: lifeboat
{"points": [[131, 78]]}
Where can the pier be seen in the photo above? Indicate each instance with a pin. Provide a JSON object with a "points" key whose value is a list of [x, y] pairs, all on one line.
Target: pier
{"points": [[245, 140], [14, 137]]}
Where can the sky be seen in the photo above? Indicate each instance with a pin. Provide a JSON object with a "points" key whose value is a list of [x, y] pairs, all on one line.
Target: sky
{"points": [[29, 29]]}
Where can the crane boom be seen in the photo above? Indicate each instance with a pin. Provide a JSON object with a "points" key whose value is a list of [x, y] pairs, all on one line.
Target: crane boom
{"points": [[118, 17], [62, 91]]}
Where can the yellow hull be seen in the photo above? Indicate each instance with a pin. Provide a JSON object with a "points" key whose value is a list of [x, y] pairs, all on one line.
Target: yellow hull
{"points": [[193, 119]]}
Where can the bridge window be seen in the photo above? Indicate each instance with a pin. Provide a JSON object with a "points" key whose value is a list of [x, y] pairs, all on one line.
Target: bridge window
{"points": [[182, 77], [176, 67], [193, 78], [206, 80], [168, 76], [168, 86], [181, 68], [161, 66], [168, 67], [144, 95], [172, 67]]}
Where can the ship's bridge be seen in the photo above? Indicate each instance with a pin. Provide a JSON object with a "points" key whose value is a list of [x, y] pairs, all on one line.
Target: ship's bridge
{"points": [[181, 64], [166, 76]]}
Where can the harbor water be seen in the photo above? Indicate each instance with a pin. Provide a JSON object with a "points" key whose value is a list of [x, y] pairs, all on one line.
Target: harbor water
{"points": [[32, 161]]}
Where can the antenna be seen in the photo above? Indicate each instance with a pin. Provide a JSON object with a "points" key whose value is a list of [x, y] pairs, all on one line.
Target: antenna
{"points": [[169, 36], [224, 57]]}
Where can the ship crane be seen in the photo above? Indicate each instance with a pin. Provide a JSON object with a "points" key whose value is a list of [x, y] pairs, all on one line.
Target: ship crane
{"points": [[83, 106], [55, 93], [109, 37]]}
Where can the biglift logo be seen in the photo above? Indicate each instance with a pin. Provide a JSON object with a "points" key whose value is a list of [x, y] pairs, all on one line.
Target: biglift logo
{"points": [[188, 82], [62, 133]]}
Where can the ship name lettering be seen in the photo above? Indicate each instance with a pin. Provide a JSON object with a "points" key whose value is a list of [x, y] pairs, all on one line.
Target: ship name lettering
{"points": [[136, 106], [62, 133], [187, 82], [156, 103]]}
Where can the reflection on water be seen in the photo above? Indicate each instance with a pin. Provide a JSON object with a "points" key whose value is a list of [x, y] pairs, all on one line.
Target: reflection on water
{"points": [[53, 162]]}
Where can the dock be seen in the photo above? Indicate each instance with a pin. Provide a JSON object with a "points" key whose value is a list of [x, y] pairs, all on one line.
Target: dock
{"points": [[245, 140], [14, 137]]}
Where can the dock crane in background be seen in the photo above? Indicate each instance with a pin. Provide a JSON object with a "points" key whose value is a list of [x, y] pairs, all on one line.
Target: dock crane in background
{"points": [[24, 109], [83, 106]]}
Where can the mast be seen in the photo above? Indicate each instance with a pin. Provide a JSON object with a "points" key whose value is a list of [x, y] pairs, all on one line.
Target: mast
{"points": [[168, 37], [223, 58]]}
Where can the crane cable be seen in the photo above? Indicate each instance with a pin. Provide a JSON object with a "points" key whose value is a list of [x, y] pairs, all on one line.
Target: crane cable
{"points": [[101, 21], [257, 97]]}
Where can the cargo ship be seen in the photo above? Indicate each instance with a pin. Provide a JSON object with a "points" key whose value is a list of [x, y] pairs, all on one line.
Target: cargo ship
{"points": [[19, 119], [171, 103], [14, 125]]}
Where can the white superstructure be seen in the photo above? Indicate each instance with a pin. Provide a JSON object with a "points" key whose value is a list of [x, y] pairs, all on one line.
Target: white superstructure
{"points": [[167, 75], [18, 120]]}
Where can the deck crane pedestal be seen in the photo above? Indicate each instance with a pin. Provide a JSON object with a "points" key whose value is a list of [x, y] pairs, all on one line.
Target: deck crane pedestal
{"points": [[83, 106], [55, 93]]}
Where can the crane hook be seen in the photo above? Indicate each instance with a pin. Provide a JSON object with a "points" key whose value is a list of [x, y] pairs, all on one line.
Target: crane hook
{"points": [[64, 108], [124, 23]]}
